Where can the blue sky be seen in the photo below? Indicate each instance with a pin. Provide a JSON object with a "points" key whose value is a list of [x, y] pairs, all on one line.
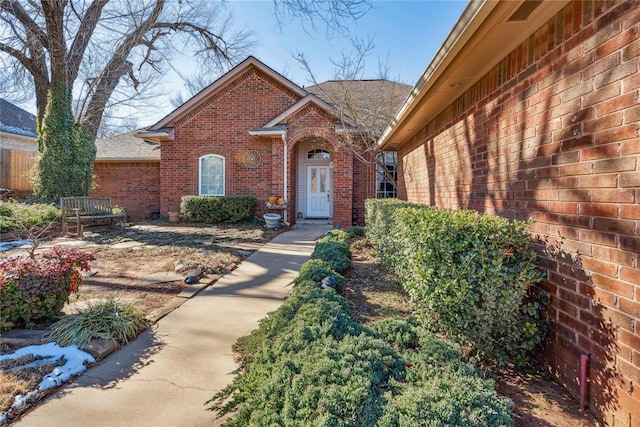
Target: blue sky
{"points": [[408, 33]]}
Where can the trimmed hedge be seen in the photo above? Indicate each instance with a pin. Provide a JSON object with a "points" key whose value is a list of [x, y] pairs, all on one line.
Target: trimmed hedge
{"points": [[310, 364], [471, 276], [217, 209]]}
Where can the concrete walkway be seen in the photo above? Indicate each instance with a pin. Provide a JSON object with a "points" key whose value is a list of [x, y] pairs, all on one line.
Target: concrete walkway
{"points": [[165, 376]]}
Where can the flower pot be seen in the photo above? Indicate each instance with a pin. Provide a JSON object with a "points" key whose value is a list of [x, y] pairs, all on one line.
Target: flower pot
{"points": [[174, 216], [272, 220]]}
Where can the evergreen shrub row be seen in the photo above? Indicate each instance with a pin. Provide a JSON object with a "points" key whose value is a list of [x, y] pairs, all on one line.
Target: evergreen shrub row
{"points": [[471, 276], [310, 363], [217, 209]]}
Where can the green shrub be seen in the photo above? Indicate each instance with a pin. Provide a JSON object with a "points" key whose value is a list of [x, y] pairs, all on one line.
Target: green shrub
{"points": [[355, 231], [315, 270], [378, 219], [471, 276], [336, 235], [110, 319], [322, 368], [15, 216], [439, 388], [217, 209], [398, 333], [447, 400], [36, 289], [336, 253]]}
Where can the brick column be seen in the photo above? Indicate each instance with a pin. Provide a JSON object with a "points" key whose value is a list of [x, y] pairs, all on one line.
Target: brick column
{"points": [[342, 187]]}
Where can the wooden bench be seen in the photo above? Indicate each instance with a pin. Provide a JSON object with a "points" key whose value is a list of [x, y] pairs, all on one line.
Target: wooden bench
{"points": [[88, 210]]}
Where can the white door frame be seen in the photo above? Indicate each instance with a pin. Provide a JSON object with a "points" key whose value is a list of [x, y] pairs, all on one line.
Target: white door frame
{"points": [[325, 208]]}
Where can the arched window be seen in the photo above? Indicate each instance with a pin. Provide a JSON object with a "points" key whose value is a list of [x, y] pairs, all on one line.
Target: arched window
{"points": [[318, 154], [385, 187], [211, 175]]}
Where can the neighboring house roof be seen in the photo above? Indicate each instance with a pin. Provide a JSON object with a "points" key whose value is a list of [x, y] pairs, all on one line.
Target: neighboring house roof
{"points": [[486, 33], [16, 121], [126, 147]]}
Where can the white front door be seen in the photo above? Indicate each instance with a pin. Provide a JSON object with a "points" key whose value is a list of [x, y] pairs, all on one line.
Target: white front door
{"points": [[318, 192]]}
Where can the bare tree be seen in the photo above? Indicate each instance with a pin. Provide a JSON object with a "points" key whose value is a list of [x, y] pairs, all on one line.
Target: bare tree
{"points": [[365, 106], [95, 46], [87, 50]]}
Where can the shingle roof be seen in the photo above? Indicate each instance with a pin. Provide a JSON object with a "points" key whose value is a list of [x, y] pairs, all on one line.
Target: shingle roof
{"points": [[372, 103], [126, 146], [17, 121]]}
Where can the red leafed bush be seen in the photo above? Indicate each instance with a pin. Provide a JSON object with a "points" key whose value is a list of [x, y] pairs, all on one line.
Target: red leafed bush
{"points": [[36, 289]]}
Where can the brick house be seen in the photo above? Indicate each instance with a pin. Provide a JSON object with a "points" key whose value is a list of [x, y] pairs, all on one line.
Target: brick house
{"points": [[251, 132], [127, 169], [531, 110]]}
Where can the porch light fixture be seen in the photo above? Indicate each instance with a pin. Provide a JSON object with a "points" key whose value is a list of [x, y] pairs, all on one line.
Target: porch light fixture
{"points": [[331, 165]]}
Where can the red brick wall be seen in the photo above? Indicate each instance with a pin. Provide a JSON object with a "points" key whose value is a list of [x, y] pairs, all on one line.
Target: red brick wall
{"points": [[132, 185], [551, 133]]}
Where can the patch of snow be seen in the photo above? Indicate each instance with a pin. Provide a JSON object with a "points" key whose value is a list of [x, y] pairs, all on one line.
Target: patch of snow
{"points": [[75, 360]]}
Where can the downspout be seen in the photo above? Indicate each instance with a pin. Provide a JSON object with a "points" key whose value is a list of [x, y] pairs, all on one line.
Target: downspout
{"points": [[286, 175]]}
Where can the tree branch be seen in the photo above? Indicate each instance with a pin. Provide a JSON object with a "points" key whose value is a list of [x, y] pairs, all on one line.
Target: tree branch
{"points": [[26, 62], [212, 41], [117, 67], [15, 8], [88, 24]]}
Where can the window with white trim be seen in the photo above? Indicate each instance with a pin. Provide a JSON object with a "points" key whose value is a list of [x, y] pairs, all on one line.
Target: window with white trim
{"points": [[211, 180], [385, 188]]}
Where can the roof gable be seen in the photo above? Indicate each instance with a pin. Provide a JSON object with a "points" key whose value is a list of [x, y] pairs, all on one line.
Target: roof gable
{"points": [[222, 83]]}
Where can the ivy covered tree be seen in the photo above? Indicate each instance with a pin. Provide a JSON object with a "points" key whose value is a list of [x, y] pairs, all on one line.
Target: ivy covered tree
{"points": [[80, 58], [67, 151]]}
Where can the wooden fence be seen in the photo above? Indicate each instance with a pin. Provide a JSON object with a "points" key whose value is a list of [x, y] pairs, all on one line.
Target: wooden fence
{"points": [[15, 166]]}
